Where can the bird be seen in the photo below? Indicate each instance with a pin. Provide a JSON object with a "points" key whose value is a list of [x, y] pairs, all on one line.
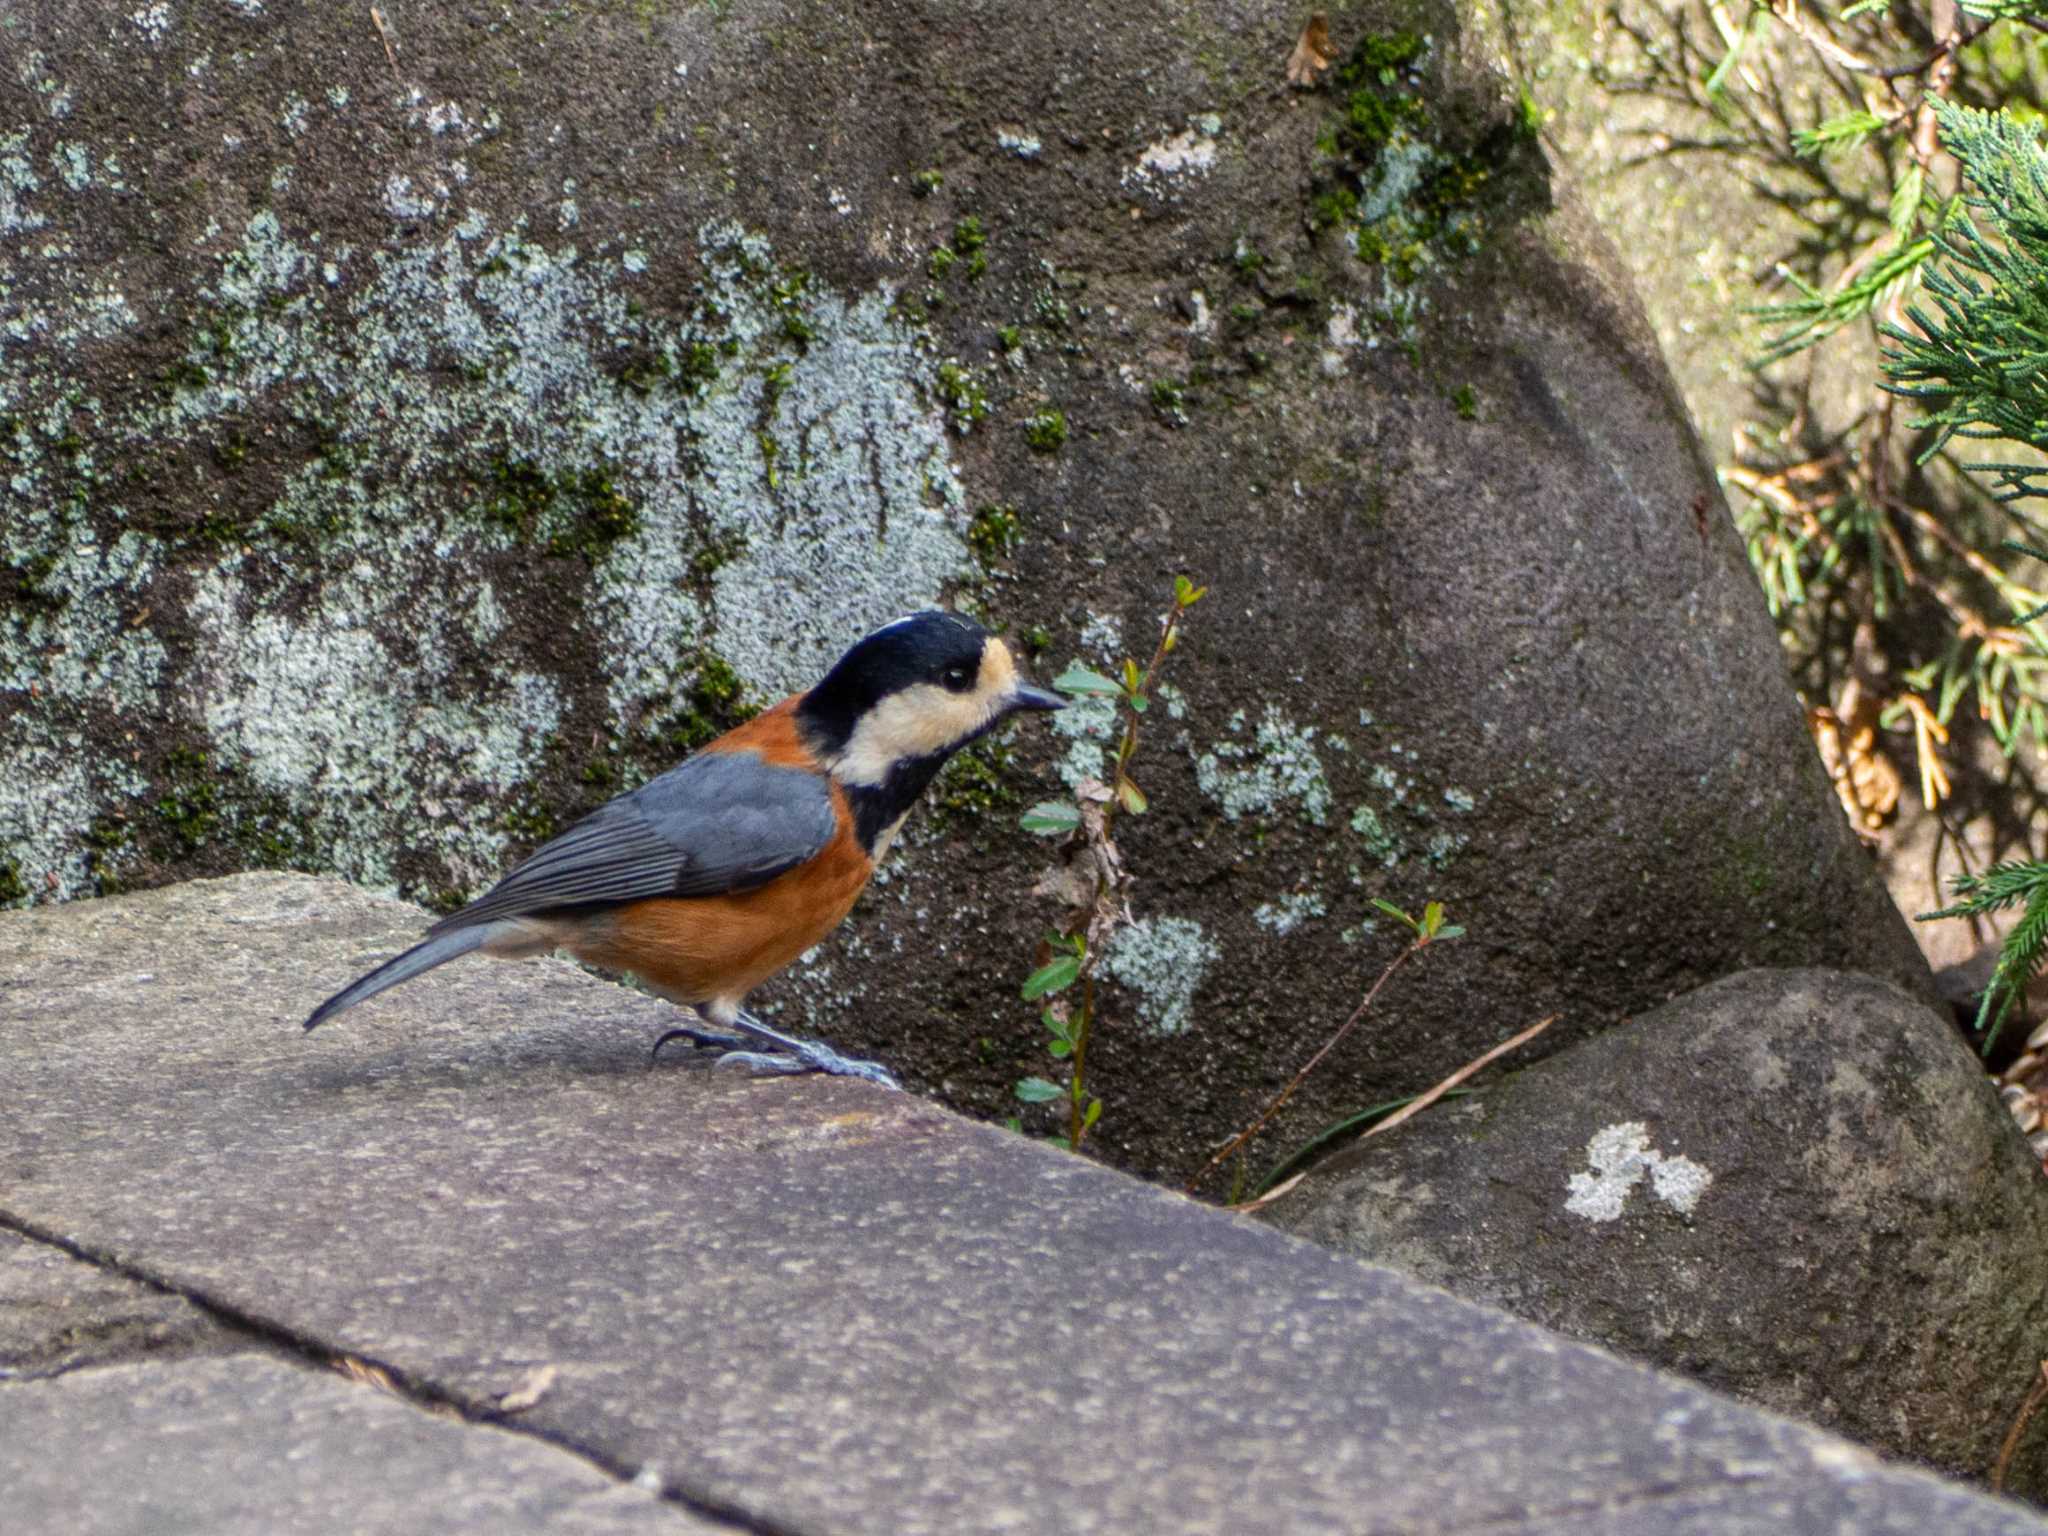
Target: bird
{"points": [[713, 876]]}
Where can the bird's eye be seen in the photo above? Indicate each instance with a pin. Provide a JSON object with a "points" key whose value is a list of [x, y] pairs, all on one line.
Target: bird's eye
{"points": [[957, 679]]}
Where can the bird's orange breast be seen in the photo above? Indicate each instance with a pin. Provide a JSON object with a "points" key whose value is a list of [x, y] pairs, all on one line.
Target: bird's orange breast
{"points": [[694, 949]]}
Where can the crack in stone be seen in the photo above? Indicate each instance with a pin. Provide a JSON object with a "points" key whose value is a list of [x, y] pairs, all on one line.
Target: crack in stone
{"points": [[378, 1375]]}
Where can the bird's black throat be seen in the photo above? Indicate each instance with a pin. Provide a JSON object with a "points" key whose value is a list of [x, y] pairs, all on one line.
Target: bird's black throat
{"points": [[878, 807]]}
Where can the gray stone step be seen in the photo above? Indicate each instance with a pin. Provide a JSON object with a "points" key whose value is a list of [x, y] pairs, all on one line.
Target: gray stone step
{"points": [[806, 1305]]}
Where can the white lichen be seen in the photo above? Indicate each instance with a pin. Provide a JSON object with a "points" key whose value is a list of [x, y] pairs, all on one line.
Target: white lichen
{"points": [[1289, 912], [1189, 153], [1620, 1157], [152, 21], [429, 361], [1277, 770], [1090, 725], [1103, 636], [1164, 960], [17, 179]]}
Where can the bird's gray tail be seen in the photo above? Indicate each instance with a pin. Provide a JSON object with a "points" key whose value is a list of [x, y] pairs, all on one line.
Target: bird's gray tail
{"points": [[421, 957]]}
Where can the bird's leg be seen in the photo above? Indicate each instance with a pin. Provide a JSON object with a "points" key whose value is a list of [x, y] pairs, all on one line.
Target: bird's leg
{"points": [[791, 1054]]}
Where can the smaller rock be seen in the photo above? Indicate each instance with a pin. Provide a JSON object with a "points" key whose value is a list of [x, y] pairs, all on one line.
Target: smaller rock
{"points": [[1795, 1185]]}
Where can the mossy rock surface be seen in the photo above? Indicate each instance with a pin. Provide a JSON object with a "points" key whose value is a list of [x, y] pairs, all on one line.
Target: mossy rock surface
{"points": [[407, 451]]}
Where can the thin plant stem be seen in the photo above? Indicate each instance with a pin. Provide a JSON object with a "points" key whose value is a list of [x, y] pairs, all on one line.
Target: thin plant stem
{"points": [[1077, 1087], [1414, 948]]}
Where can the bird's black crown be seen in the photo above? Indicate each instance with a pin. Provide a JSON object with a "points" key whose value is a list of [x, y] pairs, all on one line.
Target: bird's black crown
{"points": [[926, 647]]}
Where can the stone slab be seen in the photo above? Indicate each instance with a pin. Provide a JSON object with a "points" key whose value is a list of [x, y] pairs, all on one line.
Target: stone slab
{"points": [[61, 1314], [250, 1444], [826, 1306]]}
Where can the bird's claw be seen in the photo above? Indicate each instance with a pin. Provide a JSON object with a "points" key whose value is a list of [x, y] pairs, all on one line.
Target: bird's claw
{"points": [[698, 1037]]}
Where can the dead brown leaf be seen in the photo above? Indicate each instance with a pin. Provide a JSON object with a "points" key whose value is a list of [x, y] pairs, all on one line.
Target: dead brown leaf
{"points": [[533, 1386], [1312, 53]]}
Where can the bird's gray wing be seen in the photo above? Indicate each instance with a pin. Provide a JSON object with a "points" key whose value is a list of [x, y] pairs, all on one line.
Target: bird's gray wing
{"points": [[723, 821]]}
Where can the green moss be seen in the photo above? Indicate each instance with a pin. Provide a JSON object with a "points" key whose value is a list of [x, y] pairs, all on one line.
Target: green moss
{"points": [[107, 837], [972, 786], [967, 253], [788, 293], [1009, 337], [716, 702], [1170, 401], [716, 553], [189, 808], [963, 397], [644, 372], [993, 533], [925, 183], [1465, 401], [12, 889], [29, 579], [1392, 180], [699, 367], [1380, 57], [1046, 432], [527, 819], [574, 513]]}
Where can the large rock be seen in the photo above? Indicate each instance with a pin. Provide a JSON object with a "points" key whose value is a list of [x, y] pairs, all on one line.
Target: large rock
{"points": [[413, 435], [1795, 1185], [1709, 203]]}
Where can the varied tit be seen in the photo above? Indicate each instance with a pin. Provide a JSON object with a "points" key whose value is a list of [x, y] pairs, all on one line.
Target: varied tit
{"points": [[708, 880]]}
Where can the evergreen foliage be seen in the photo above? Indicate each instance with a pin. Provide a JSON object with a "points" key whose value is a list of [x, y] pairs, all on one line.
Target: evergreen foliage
{"points": [[1981, 358], [2020, 881], [1977, 357]]}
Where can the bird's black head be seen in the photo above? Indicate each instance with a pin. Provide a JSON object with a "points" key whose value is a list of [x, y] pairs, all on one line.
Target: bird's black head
{"points": [[903, 700]]}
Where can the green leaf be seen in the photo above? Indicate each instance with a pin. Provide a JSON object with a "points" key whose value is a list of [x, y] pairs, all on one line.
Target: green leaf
{"points": [[1036, 1090], [1086, 680], [1131, 797], [1060, 1049], [1906, 201], [1052, 818], [1844, 132], [1397, 914], [1733, 56], [1092, 1114], [1056, 975], [1308, 1151], [1132, 676], [1449, 931], [1182, 587], [1057, 1027], [1432, 919], [1138, 702]]}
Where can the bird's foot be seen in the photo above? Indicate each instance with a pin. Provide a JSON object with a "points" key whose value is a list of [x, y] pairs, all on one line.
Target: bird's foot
{"points": [[813, 1058], [701, 1037], [788, 1054]]}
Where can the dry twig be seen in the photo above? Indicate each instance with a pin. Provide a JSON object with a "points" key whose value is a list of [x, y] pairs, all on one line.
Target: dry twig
{"points": [[2019, 1427], [1412, 1108]]}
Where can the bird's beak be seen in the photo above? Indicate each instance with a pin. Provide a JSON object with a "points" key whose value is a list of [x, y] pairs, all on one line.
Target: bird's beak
{"points": [[1024, 696]]}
